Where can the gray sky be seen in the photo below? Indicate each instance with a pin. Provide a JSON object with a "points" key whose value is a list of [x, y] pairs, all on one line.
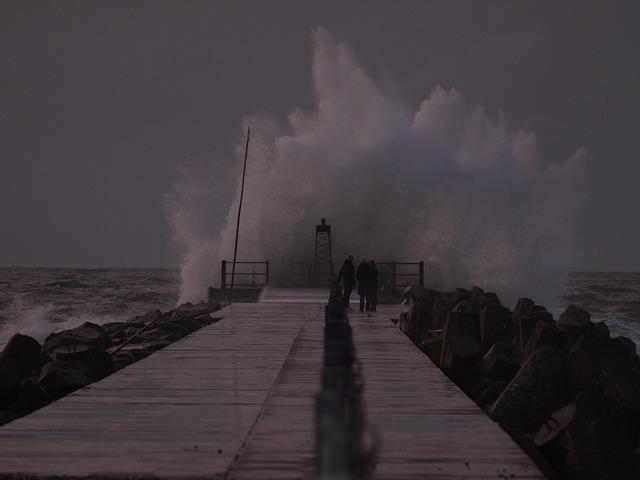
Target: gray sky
{"points": [[101, 101]]}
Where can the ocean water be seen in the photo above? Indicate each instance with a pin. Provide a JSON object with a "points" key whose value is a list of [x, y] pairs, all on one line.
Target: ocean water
{"points": [[37, 301], [611, 297]]}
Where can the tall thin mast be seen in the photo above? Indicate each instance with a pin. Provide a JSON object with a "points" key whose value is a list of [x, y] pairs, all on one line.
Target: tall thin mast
{"points": [[235, 249]]}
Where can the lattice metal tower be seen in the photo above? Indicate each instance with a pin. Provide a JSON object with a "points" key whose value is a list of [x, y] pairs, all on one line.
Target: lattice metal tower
{"points": [[323, 260]]}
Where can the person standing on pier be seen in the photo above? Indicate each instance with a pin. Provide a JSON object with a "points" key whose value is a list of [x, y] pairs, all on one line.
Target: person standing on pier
{"points": [[348, 275], [373, 287], [364, 275]]}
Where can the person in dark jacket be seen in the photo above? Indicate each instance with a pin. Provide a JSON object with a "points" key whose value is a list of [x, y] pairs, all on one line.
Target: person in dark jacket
{"points": [[364, 277], [373, 287], [348, 276]]}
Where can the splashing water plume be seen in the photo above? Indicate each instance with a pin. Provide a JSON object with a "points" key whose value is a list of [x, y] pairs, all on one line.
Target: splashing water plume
{"points": [[35, 320], [445, 183]]}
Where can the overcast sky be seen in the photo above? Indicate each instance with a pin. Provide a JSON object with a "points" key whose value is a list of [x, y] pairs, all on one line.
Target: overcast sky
{"points": [[100, 102]]}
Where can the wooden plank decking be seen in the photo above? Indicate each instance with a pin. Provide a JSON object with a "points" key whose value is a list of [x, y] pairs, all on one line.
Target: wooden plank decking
{"points": [[235, 400], [428, 428], [282, 444], [185, 411]]}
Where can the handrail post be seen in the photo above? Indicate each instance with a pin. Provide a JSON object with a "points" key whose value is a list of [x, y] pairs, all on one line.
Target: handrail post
{"points": [[223, 274], [266, 280], [421, 271]]}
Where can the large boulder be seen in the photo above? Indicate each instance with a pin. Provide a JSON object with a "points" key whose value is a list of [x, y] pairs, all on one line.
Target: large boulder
{"points": [[148, 317], [128, 356], [575, 321], [490, 298], [602, 328], [476, 300], [59, 377], [204, 320], [9, 380], [184, 319], [93, 362], [598, 443], [7, 416], [544, 333], [117, 331], [495, 321], [403, 323], [131, 335], [23, 352], [600, 451], [467, 323], [466, 306], [461, 347], [526, 325], [491, 393], [628, 344], [419, 315], [440, 311], [501, 362], [432, 346], [460, 360], [29, 397], [189, 323], [540, 388], [458, 295], [476, 293], [88, 334], [574, 316], [115, 327], [524, 308], [598, 360]]}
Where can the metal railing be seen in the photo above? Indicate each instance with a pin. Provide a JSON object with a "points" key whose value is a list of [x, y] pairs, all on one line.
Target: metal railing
{"points": [[248, 274], [397, 274], [301, 274], [296, 274]]}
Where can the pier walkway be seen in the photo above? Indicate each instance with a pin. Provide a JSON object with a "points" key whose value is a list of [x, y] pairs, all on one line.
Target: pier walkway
{"points": [[236, 399]]}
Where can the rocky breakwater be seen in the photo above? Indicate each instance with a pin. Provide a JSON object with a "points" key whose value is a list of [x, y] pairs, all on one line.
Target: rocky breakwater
{"points": [[33, 375], [564, 389]]}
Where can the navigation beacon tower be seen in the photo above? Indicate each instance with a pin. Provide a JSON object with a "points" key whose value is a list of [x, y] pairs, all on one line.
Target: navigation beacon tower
{"points": [[322, 260]]}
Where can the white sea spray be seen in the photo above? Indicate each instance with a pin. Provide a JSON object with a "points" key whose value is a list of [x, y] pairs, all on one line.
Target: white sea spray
{"points": [[442, 181]]}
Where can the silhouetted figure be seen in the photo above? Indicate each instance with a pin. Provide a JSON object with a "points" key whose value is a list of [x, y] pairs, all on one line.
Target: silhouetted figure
{"points": [[364, 275], [373, 287], [348, 275]]}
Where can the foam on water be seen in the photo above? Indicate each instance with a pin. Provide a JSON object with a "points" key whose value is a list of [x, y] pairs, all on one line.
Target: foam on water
{"points": [[36, 321], [32, 321], [37, 302]]}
